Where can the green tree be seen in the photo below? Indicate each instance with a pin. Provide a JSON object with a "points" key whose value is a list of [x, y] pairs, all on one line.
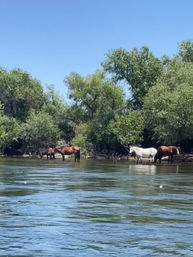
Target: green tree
{"points": [[167, 106], [139, 68], [39, 131], [10, 128], [85, 93], [19, 93], [128, 128], [185, 50], [61, 113], [80, 138], [2, 128], [96, 101], [94, 94], [54, 104]]}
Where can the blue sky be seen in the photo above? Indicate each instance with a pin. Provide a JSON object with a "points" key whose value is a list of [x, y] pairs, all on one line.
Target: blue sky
{"points": [[51, 38]]}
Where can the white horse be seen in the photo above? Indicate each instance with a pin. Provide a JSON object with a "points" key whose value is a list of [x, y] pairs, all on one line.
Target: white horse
{"points": [[143, 152]]}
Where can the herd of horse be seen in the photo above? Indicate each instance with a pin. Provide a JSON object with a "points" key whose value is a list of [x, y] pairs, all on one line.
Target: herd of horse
{"points": [[138, 152], [63, 150], [155, 154]]}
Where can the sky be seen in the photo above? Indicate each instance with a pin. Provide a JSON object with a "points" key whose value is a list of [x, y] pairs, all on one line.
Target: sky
{"points": [[52, 38]]}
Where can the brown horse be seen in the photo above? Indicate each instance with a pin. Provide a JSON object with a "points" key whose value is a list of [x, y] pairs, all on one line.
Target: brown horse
{"points": [[169, 151], [68, 150], [50, 152]]}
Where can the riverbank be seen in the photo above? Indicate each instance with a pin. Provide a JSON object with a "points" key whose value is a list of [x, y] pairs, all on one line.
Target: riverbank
{"points": [[184, 157]]}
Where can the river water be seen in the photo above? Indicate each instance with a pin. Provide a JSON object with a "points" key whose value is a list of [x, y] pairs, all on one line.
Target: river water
{"points": [[95, 209]]}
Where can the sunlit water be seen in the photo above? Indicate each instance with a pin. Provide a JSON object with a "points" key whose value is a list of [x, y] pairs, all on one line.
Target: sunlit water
{"points": [[55, 208]]}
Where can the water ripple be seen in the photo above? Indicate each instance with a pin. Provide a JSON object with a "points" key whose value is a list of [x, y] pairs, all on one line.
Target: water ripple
{"points": [[95, 209]]}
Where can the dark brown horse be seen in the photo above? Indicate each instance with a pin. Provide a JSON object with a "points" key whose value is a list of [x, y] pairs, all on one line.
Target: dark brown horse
{"points": [[69, 150], [169, 151], [50, 152]]}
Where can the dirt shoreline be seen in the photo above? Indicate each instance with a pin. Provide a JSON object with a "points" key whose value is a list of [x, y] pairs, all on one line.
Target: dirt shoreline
{"points": [[184, 157]]}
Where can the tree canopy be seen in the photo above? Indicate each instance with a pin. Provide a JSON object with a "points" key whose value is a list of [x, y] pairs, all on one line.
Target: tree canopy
{"points": [[98, 114], [138, 68], [167, 106]]}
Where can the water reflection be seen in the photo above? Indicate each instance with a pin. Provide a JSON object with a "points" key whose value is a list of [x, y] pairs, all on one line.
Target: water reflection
{"points": [[95, 209], [143, 169]]}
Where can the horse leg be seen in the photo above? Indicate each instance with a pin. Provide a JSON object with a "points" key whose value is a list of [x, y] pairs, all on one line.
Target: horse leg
{"points": [[150, 157], [159, 157], [156, 156], [63, 157], [138, 159], [170, 158], [76, 157]]}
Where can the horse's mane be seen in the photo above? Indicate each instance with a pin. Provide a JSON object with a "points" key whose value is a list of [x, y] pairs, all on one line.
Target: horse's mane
{"points": [[135, 146]]}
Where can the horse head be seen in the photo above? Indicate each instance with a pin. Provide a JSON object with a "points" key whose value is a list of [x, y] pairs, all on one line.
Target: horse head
{"points": [[132, 150]]}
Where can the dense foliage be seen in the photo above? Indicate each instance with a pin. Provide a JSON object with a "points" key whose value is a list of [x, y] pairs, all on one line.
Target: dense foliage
{"points": [[138, 68], [99, 115]]}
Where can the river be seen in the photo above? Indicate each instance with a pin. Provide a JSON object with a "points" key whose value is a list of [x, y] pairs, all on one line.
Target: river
{"points": [[95, 209]]}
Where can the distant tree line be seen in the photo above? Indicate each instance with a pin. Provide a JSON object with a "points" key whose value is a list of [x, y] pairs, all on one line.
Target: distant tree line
{"points": [[156, 108]]}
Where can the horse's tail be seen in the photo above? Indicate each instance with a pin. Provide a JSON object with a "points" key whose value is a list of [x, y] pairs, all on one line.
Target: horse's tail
{"points": [[177, 150]]}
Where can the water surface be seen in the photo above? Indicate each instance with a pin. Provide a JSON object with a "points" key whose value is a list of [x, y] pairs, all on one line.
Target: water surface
{"points": [[95, 209]]}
